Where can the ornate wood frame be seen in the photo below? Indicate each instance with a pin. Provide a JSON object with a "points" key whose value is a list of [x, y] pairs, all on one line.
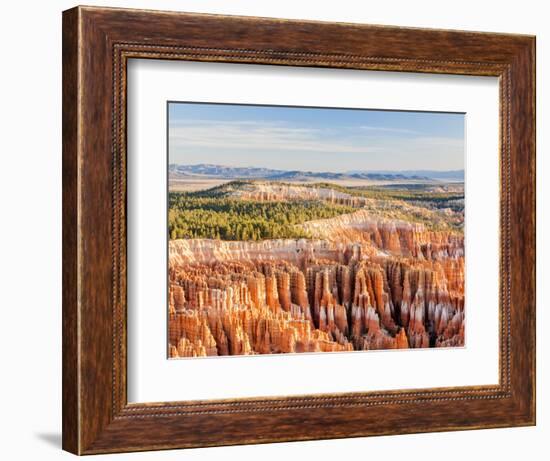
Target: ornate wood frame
{"points": [[97, 43]]}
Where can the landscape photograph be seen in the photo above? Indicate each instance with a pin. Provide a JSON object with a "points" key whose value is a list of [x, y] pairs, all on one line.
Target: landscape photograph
{"points": [[312, 230]]}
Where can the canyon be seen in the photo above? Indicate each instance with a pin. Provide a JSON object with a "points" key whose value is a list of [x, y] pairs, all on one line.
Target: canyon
{"points": [[362, 282]]}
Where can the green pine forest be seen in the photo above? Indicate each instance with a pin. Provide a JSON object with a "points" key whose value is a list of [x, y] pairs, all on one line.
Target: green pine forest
{"points": [[190, 216], [215, 214]]}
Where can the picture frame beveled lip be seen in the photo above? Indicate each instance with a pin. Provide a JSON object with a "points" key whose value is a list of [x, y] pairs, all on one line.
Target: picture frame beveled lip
{"points": [[97, 42]]}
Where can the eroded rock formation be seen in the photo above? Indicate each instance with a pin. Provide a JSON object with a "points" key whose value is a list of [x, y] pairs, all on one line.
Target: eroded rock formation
{"points": [[389, 235], [270, 191], [392, 286]]}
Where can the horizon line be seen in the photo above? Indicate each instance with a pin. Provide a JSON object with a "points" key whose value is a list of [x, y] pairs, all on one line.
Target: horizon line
{"points": [[311, 171]]}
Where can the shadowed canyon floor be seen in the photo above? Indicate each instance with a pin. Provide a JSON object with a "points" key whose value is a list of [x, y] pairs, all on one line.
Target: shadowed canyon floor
{"points": [[365, 269]]}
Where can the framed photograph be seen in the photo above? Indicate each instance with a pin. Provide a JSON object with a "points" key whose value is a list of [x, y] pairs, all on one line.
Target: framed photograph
{"points": [[281, 230]]}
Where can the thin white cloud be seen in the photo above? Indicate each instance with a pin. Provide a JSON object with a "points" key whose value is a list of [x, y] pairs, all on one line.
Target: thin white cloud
{"points": [[255, 136], [258, 135], [383, 129]]}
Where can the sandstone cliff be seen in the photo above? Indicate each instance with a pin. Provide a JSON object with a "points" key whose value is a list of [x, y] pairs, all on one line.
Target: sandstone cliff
{"points": [[272, 191], [400, 286], [392, 236]]}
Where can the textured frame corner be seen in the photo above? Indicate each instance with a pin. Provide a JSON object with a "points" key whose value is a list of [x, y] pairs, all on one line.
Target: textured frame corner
{"points": [[94, 127]]}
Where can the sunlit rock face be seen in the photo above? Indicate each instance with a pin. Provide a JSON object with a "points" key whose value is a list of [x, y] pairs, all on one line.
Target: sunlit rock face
{"points": [[390, 236], [190, 251], [362, 284], [269, 191]]}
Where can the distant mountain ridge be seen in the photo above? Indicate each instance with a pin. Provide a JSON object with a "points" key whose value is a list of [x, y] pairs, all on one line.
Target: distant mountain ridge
{"points": [[177, 171], [456, 175]]}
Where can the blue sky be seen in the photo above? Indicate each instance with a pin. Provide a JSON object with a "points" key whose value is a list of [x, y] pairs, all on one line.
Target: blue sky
{"points": [[293, 138]]}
